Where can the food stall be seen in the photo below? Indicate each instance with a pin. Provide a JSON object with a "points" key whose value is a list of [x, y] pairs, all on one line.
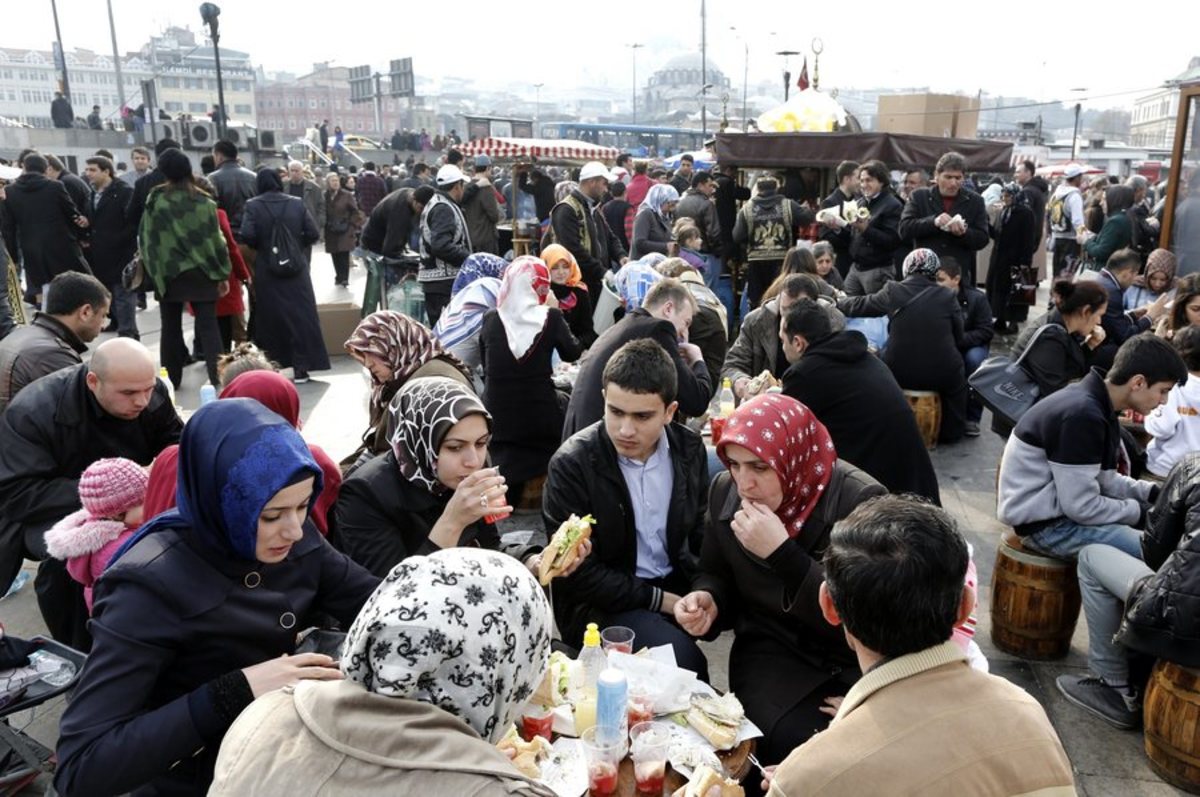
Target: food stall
{"points": [[827, 150]]}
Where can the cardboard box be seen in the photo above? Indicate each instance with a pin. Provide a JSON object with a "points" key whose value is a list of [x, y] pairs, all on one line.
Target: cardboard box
{"points": [[338, 321]]}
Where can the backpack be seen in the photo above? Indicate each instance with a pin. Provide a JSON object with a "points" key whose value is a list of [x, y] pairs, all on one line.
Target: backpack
{"points": [[1060, 217], [286, 256]]}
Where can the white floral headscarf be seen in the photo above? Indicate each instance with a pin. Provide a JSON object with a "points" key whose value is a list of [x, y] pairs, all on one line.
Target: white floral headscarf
{"points": [[463, 629]]}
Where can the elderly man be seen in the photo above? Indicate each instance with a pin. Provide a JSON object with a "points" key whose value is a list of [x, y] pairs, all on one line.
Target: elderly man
{"points": [[920, 720], [114, 406], [76, 308], [299, 186], [948, 218], [577, 223]]}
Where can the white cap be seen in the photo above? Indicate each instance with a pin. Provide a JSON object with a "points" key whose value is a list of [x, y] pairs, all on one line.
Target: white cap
{"points": [[1072, 171], [450, 175], [594, 169]]}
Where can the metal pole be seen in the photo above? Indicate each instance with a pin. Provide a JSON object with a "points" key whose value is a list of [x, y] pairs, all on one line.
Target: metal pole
{"points": [[634, 48], [112, 29], [221, 120], [66, 83], [378, 104], [537, 111], [703, 69], [1075, 135], [745, 82]]}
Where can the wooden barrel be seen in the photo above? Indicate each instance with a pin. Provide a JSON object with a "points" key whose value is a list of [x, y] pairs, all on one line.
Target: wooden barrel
{"points": [[1172, 721], [927, 406], [1035, 602]]}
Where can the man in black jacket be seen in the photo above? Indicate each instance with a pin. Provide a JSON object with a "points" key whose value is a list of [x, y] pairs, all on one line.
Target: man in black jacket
{"points": [[76, 308], [872, 241], [664, 317], [697, 204], [854, 394], [113, 241], [42, 224], [113, 407], [578, 224], [81, 193], [390, 226], [846, 190], [947, 218], [726, 197], [445, 241], [1119, 326], [1037, 194], [977, 332], [152, 178], [537, 184], [235, 184], [767, 226], [644, 480], [61, 112]]}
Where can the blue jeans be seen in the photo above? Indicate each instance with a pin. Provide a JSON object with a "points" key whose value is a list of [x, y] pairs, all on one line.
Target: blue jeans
{"points": [[1105, 577], [972, 359], [712, 271], [1064, 538], [124, 310]]}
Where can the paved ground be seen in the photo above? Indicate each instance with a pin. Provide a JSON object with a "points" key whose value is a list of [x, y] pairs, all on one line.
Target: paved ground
{"points": [[1108, 763]]}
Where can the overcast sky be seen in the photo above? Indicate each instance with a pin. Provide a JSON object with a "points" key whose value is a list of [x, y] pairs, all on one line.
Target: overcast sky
{"points": [[1011, 48]]}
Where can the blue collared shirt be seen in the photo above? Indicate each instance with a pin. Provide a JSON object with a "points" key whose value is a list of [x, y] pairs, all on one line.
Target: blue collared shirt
{"points": [[650, 484]]}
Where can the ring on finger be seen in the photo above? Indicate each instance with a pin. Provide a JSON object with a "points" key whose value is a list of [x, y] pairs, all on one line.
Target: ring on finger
{"points": [[483, 501]]}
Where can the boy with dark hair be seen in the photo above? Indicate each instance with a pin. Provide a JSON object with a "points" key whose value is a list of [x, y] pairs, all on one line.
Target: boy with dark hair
{"points": [[977, 331], [1061, 480], [644, 480], [920, 720], [1119, 326]]}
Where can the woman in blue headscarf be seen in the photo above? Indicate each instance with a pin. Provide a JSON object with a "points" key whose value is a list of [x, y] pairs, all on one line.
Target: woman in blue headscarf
{"points": [[198, 613], [477, 266], [652, 225]]}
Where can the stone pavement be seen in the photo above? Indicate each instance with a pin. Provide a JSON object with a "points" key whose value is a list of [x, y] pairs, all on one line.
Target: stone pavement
{"points": [[1108, 762]]}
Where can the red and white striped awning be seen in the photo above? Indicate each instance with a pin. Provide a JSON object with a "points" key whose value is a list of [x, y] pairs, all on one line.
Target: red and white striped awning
{"points": [[543, 150]]}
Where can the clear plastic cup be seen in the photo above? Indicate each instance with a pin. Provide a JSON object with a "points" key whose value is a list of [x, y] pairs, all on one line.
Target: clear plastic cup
{"points": [[617, 637], [604, 751], [649, 743], [640, 705]]}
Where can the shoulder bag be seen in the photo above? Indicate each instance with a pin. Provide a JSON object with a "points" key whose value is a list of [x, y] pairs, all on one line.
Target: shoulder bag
{"points": [[1004, 386]]}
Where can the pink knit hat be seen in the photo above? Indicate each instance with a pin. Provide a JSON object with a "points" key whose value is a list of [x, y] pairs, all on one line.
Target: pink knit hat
{"points": [[110, 487]]}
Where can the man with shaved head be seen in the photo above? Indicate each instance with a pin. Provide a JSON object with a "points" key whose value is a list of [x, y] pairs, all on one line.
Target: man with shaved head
{"points": [[53, 429]]}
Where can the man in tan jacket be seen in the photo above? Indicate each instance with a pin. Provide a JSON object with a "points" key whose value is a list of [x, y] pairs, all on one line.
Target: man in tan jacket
{"points": [[920, 721]]}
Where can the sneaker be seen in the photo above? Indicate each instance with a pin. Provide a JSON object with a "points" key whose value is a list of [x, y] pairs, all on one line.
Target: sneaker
{"points": [[1117, 707], [972, 429]]}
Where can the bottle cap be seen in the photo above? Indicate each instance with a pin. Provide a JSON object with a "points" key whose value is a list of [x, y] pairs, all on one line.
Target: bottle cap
{"points": [[591, 637], [612, 677]]}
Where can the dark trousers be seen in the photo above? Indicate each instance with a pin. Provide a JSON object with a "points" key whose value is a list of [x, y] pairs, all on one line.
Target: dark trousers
{"points": [[60, 600], [341, 267], [435, 303], [124, 311], [173, 350], [865, 281], [793, 729], [1066, 253], [759, 276]]}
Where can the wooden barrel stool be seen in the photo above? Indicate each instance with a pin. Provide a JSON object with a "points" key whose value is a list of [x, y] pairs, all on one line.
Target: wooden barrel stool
{"points": [[1035, 602], [1172, 721], [927, 406]]}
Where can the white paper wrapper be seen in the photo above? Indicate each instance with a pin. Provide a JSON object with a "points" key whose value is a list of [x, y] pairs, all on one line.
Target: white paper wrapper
{"points": [[565, 772]]}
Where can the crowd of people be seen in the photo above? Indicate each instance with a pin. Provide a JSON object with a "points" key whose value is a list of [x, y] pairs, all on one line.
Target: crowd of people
{"points": [[186, 558]]}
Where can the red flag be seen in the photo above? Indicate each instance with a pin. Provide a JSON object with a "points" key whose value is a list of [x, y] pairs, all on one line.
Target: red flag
{"points": [[802, 81]]}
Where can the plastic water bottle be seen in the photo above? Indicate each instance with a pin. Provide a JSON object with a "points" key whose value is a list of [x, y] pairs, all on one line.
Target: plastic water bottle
{"points": [[726, 403], [166, 380], [207, 393], [612, 697], [594, 662]]}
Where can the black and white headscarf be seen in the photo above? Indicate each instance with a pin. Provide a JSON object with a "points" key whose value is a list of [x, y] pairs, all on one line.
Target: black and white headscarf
{"points": [[463, 629], [423, 412]]}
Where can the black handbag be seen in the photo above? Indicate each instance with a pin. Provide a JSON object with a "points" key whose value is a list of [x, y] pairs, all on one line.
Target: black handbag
{"points": [[1004, 386]]}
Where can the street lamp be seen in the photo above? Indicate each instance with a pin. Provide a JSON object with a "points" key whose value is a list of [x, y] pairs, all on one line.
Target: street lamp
{"points": [[209, 12], [1075, 135], [787, 72], [745, 72], [537, 112], [634, 48]]}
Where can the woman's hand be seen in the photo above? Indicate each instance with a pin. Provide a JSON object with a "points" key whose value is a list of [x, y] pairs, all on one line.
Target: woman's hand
{"points": [[832, 704], [551, 300], [481, 494], [534, 563], [696, 612], [1158, 308], [758, 529], [1095, 337], [768, 776], [288, 670], [223, 288]]}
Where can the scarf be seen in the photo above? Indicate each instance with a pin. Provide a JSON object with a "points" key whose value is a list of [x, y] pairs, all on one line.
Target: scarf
{"points": [[179, 233], [273, 390], [786, 435], [463, 318], [659, 195], [635, 279], [462, 629], [1162, 261], [554, 254], [477, 266], [522, 303], [404, 344], [922, 261], [423, 412], [234, 456]]}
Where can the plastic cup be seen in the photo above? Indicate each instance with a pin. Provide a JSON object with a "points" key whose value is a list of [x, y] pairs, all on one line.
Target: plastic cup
{"points": [[604, 753], [649, 743], [537, 721], [618, 638], [716, 426], [641, 706]]}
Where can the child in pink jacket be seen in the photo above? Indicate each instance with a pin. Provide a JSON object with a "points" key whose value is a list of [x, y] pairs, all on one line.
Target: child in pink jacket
{"points": [[112, 492]]}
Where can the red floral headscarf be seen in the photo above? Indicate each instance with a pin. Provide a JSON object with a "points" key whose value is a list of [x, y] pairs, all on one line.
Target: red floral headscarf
{"points": [[786, 435]]}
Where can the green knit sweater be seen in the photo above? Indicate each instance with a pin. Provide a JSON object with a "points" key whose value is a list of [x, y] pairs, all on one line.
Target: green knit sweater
{"points": [[180, 233]]}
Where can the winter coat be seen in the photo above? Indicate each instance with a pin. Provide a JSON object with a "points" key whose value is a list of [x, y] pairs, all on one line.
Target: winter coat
{"points": [[1118, 326], [172, 616], [141, 190], [313, 197], [783, 648], [873, 246], [694, 205], [390, 225], [40, 220], [369, 190], [482, 212], [757, 347], [585, 477], [232, 303], [977, 318], [112, 240], [834, 236], [542, 191], [726, 199], [340, 212], [603, 247], [1015, 241], [235, 186], [87, 545], [445, 242], [925, 205], [861, 404], [30, 352], [79, 191], [651, 233], [1162, 611], [344, 741], [1057, 358], [1037, 194], [1117, 233]]}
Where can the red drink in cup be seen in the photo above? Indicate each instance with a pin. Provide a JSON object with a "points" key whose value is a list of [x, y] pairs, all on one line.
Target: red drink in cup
{"points": [[649, 744], [602, 779], [641, 706], [716, 427], [534, 724], [604, 751], [650, 776], [618, 638]]}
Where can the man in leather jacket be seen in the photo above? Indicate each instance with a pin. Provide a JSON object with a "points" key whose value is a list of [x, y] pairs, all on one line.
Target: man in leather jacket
{"points": [[234, 183]]}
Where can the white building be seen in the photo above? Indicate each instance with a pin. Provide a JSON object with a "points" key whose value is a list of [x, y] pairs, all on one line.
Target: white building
{"points": [[1153, 122]]}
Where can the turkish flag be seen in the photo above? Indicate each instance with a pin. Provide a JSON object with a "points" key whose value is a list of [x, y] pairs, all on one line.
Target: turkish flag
{"points": [[802, 81]]}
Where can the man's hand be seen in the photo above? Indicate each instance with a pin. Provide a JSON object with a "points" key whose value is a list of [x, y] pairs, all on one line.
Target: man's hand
{"points": [[758, 529], [691, 353], [696, 612], [957, 228], [1158, 308], [669, 601], [534, 563], [624, 260], [740, 385], [942, 221]]}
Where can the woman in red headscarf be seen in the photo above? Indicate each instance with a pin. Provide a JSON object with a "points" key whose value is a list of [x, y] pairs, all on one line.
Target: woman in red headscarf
{"points": [[518, 342], [770, 515], [277, 393]]}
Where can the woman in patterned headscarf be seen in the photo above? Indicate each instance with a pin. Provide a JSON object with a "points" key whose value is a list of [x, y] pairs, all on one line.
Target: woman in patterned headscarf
{"points": [[395, 348], [770, 515], [433, 489], [652, 225], [437, 667]]}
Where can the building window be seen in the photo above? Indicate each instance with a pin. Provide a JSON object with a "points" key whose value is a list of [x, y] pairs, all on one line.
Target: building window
{"points": [[291, 124], [170, 82], [197, 107], [242, 109], [174, 106], [324, 103], [312, 104]]}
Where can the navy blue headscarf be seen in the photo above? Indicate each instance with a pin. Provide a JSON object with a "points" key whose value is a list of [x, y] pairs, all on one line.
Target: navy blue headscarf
{"points": [[234, 456]]}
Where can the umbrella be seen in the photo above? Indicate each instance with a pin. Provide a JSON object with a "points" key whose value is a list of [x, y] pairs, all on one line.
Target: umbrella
{"points": [[551, 150], [704, 160], [1057, 169]]}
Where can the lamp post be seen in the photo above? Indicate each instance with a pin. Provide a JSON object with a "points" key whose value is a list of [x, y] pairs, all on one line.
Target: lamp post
{"points": [[704, 69], [787, 72], [209, 12], [634, 48], [112, 30], [537, 111], [62, 54], [1075, 134], [745, 72]]}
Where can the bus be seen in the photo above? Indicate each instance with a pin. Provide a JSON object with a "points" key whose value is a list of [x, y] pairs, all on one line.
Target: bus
{"points": [[639, 140]]}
